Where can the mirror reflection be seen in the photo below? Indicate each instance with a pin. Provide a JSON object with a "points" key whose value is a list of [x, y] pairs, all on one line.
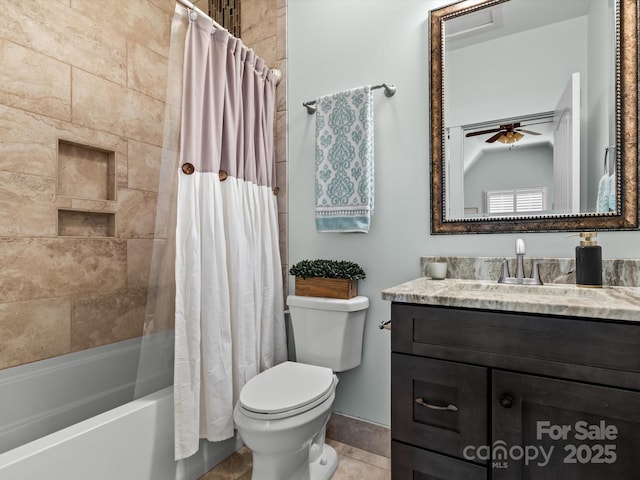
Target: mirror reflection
{"points": [[529, 113]]}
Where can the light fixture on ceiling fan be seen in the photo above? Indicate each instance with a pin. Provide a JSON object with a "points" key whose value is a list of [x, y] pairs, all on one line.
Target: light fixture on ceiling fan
{"points": [[507, 133]]}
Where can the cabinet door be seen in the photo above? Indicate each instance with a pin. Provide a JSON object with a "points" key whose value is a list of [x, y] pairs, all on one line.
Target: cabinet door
{"points": [[552, 429], [441, 406], [411, 463]]}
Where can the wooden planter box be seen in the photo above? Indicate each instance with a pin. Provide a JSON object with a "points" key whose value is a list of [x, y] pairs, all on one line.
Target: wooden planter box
{"points": [[326, 287]]}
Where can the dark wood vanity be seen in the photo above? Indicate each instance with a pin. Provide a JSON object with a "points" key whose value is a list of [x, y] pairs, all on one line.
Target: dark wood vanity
{"points": [[484, 394]]}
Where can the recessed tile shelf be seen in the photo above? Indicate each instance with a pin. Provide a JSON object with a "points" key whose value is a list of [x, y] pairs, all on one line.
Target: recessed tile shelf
{"points": [[87, 184], [86, 172], [72, 223]]}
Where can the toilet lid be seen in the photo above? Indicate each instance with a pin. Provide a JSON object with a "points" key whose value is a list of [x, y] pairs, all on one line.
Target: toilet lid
{"points": [[285, 387]]}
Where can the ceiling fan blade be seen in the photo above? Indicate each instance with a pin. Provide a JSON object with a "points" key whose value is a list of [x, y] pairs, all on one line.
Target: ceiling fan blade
{"points": [[537, 123], [482, 132], [530, 132], [495, 137]]}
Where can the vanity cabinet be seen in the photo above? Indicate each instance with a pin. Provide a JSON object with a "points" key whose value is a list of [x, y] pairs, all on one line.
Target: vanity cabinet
{"points": [[506, 396]]}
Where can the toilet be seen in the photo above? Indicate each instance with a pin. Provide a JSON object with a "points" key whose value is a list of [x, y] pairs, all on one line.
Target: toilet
{"points": [[282, 413]]}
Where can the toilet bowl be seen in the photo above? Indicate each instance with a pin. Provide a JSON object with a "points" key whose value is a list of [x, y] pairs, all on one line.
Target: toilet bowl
{"points": [[281, 413], [281, 416]]}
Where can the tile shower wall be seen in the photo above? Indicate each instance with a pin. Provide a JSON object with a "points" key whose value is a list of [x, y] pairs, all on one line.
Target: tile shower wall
{"points": [[82, 91]]}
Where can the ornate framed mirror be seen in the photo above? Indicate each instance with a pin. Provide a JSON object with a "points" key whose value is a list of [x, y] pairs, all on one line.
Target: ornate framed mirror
{"points": [[534, 111]]}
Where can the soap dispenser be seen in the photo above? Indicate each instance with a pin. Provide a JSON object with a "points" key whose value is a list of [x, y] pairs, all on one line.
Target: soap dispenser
{"points": [[588, 261]]}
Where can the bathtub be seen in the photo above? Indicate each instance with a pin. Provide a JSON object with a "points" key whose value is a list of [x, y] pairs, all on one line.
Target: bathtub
{"points": [[50, 420]]}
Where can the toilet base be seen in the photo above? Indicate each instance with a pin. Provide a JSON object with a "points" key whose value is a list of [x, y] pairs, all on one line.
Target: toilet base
{"points": [[321, 469], [325, 466]]}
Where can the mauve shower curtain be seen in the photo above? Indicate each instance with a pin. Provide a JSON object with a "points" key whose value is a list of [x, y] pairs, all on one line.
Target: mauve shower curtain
{"points": [[229, 299]]}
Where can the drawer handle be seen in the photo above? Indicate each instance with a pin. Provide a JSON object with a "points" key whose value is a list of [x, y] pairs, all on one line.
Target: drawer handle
{"points": [[448, 408]]}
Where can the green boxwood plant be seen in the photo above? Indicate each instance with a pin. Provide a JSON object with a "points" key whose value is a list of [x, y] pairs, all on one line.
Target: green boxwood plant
{"points": [[328, 269]]}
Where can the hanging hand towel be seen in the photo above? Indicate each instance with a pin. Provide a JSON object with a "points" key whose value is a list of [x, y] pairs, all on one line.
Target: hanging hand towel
{"points": [[344, 161], [603, 194], [612, 190]]}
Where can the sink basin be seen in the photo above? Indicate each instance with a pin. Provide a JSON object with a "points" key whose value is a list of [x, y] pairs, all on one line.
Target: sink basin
{"points": [[554, 290]]}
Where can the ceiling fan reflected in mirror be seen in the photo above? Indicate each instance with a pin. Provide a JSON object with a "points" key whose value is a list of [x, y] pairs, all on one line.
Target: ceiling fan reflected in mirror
{"points": [[507, 133]]}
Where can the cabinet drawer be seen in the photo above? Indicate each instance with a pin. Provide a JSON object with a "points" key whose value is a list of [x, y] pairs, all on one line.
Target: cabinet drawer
{"points": [[438, 405], [411, 463], [508, 340]]}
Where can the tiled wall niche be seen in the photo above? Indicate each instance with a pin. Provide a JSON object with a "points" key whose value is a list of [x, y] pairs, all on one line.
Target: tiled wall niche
{"points": [[86, 172], [73, 223]]}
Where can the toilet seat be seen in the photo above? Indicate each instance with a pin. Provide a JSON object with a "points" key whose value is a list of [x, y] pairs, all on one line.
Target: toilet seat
{"points": [[286, 390]]}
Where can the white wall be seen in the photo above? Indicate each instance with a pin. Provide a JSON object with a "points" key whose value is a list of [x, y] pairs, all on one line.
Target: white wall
{"points": [[515, 75], [601, 102], [505, 169], [339, 44]]}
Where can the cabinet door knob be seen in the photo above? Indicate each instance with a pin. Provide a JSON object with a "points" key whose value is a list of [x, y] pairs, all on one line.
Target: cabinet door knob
{"points": [[506, 401], [448, 408]]}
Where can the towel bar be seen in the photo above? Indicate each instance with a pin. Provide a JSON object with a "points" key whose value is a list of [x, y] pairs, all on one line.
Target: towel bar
{"points": [[389, 91], [606, 158]]}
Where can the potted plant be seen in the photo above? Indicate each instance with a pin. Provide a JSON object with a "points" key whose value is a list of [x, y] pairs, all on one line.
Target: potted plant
{"points": [[327, 278]]}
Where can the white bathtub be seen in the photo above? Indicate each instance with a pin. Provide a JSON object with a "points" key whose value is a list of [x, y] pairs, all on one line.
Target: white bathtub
{"points": [[133, 441]]}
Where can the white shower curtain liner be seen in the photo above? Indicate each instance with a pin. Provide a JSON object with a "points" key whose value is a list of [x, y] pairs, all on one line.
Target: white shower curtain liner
{"points": [[229, 297]]}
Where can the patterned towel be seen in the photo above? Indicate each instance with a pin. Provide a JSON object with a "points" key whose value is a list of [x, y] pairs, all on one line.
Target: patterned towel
{"points": [[612, 191], [603, 194], [344, 161]]}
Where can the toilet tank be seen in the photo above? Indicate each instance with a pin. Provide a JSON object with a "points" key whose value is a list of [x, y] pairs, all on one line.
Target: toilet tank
{"points": [[328, 331]]}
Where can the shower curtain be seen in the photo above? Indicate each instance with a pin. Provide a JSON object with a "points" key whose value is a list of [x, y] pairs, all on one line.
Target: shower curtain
{"points": [[229, 296]]}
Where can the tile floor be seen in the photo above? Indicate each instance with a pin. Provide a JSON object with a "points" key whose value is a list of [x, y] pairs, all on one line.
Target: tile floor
{"points": [[354, 464]]}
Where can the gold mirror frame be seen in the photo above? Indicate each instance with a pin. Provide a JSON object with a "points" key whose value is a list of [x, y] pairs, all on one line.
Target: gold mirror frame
{"points": [[626, 218]]}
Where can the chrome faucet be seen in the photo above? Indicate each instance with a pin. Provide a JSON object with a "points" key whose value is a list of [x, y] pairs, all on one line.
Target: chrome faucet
{"points": [[520, 279]]}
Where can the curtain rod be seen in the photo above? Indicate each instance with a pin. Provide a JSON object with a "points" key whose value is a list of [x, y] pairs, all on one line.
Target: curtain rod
{"points": [[277, 73], [389, 91], [191, 6]]}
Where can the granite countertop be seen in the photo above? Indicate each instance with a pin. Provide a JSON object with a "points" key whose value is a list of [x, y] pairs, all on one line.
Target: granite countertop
{"points": [[608, 303]]}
